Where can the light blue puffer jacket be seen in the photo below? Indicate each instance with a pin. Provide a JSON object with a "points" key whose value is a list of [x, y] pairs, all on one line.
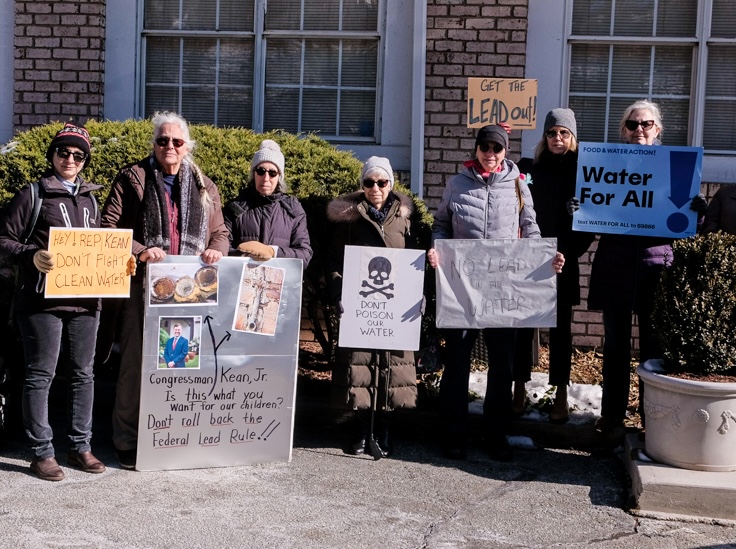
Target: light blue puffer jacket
{"points": [[473, 208]]}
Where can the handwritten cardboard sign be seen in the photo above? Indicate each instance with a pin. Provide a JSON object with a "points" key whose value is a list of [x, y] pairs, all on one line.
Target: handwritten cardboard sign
{"points": [[637, 189], [230, 399], [382, 298], [496, 283], [496, 100], [89, 262]]}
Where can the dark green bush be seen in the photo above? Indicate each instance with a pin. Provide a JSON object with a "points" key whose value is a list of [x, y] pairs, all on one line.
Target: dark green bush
{"points": [[316, 172], [695, 306]]}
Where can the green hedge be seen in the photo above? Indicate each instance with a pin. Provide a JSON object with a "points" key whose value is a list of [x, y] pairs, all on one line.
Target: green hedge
{"points": [[315, 173]]}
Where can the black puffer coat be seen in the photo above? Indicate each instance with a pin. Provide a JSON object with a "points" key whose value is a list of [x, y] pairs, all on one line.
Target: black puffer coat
{"points": [[58, 209], [354, 369], [275, 220]]}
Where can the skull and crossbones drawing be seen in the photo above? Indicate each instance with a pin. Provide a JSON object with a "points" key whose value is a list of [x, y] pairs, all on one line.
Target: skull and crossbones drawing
{"points": [[379, 269]]}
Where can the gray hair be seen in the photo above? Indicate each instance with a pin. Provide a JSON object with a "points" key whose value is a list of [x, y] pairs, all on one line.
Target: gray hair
{"points": [[642, 104], [160, 119]]}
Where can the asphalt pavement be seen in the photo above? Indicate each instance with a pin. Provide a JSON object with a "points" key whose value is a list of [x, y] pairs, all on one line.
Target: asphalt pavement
{"points": [[551, 496]]}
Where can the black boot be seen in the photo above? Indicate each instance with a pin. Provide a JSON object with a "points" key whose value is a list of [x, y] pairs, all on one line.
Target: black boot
{"points": [[384, 435], [358, 437]]}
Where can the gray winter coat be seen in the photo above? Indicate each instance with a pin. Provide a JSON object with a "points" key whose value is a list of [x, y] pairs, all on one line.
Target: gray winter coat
{"points": [[472, 208]]}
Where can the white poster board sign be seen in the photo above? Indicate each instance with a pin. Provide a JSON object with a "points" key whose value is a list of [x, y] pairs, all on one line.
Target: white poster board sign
{"points": [[496, 283], [382, 292], [220, 349], [637, 189]]}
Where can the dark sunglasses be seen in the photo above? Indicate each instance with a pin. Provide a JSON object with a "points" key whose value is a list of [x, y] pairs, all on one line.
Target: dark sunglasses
{"points": [[631, 125], [564, 134], [485, 147], [262, 171], [64, 153], [164, 142], [368, 183]]}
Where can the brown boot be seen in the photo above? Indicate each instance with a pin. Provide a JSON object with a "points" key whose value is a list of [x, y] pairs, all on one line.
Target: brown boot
{"points": [[519, 401], [559, 413], [85, 461], [47, 469]]}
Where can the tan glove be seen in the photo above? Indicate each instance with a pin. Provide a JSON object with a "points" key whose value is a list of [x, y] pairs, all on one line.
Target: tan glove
{"points": [[43, 260], [256, 250], [132, 266]]}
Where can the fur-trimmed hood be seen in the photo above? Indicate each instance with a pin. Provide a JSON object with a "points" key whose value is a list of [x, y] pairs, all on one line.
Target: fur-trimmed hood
{"points": [[344, 208]]}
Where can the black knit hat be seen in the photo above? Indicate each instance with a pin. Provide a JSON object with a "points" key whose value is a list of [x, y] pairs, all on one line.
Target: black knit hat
{"points": [[70, 135], [494, 134]]}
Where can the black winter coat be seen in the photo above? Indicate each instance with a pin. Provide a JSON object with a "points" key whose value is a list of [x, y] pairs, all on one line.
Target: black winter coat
{"points": [[275, 220], [552, 185], [355, 368], [58, 209]]}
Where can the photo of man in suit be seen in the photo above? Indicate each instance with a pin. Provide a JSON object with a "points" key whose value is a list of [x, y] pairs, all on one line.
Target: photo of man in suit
{"points": [[177, 347]]}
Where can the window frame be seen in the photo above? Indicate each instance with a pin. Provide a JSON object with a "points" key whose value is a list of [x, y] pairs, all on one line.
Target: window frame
{"points": [[260, 38]]}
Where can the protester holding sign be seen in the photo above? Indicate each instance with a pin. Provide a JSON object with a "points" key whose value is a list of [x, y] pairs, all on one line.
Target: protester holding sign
{"points": [[48, 325], [624, 276], [487, 199], [263, 221], [370, 381], [173, 209], [551, 179]]}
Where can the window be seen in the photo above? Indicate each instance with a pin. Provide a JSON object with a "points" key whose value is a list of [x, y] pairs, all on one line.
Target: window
{"points": [[296, 65], [679, 53]]}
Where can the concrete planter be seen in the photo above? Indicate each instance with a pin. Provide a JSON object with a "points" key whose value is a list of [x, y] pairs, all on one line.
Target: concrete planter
{"points": [[689, 424]]}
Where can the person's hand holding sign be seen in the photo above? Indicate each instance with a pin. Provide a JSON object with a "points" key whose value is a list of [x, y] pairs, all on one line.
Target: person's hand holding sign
{"points": [[558, 262], [432, 257]]}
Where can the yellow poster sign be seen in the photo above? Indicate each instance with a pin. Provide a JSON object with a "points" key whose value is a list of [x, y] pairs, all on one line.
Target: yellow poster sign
{"points": [[89, 262], [509, 100]]}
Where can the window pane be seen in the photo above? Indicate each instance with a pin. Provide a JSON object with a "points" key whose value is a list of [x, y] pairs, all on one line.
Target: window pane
{"points": [[589, 68], [283, 61], [723, 23], [321, 62], [318, 111], [719, 130], [162, 60], [322, 15], [198, 105], [359, 63], [161, 15], [634, 18], [281, 110], [675, 118], [236, 15], [235, 107], [673, 66], [284, 15], [361, 16], [631, 69], [721, 79], [677, 18], [200, 61], [719, 127], [590, 115], [591, 17], [161, 99], [198, 15], [356, 113]]}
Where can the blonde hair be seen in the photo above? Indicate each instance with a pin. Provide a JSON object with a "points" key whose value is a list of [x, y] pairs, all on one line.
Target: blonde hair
{"points": [[642, 104]]}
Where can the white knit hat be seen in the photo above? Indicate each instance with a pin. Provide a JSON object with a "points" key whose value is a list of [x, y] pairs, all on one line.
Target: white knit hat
{"points": [[269, 151], [378, 163]]}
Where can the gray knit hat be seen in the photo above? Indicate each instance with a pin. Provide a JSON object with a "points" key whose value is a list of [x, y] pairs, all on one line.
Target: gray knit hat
{"points": [[494, 134], [561, 117], [381, 164], [269, 151]]}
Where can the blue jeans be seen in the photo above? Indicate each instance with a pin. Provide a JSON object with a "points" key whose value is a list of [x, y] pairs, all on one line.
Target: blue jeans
{"points": [[501, 343], [44, 335]]}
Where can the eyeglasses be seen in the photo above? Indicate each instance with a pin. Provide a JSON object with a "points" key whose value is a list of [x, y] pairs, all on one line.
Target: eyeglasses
{"points": [[65, 153], [164, 142], [368, 183], [485, 147], [564, 134], [632, 125], [262, 171]]}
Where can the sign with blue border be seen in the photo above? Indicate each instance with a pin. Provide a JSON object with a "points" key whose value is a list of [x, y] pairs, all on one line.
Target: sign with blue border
{"points": [[637, 189]]}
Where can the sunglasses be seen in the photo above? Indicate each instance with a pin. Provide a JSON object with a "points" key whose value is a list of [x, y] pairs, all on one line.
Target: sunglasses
{"points": [[164, 142], [368, 183], [564, 134], [631, 125], [65, 153], [485, 147], [263, 171]]}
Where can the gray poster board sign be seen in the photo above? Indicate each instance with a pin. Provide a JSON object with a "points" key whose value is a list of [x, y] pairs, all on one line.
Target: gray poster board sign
{"points": [[220, 349]]}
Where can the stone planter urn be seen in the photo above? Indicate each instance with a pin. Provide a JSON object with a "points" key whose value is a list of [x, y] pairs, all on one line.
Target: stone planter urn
{"points": [[689, 424]]}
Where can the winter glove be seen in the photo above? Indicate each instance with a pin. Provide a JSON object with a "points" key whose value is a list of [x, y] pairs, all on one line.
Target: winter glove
{"points": [[132, 266], [43, 260], [699, 204], [256, 250], [573, 205]]}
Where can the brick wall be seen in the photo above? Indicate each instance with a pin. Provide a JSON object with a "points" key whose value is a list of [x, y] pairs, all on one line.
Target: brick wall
{"points": [[59, 61]]}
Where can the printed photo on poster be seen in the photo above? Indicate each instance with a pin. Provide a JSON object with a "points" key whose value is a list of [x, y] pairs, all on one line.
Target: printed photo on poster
{"points": [[179, 341], [175, 284], [259, 298]]}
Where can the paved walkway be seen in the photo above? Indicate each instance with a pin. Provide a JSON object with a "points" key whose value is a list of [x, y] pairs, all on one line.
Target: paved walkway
{"points": [[326, 499]]}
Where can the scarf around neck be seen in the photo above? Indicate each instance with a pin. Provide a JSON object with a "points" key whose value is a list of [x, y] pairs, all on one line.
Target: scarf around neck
{"points": [[192, 214]]}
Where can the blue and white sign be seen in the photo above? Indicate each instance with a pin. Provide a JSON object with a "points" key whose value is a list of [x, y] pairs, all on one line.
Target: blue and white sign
{"points": [[637, 189]]}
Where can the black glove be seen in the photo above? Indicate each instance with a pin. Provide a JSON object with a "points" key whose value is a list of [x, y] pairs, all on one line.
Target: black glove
{"points": [[699, 204], [573, 205]]}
